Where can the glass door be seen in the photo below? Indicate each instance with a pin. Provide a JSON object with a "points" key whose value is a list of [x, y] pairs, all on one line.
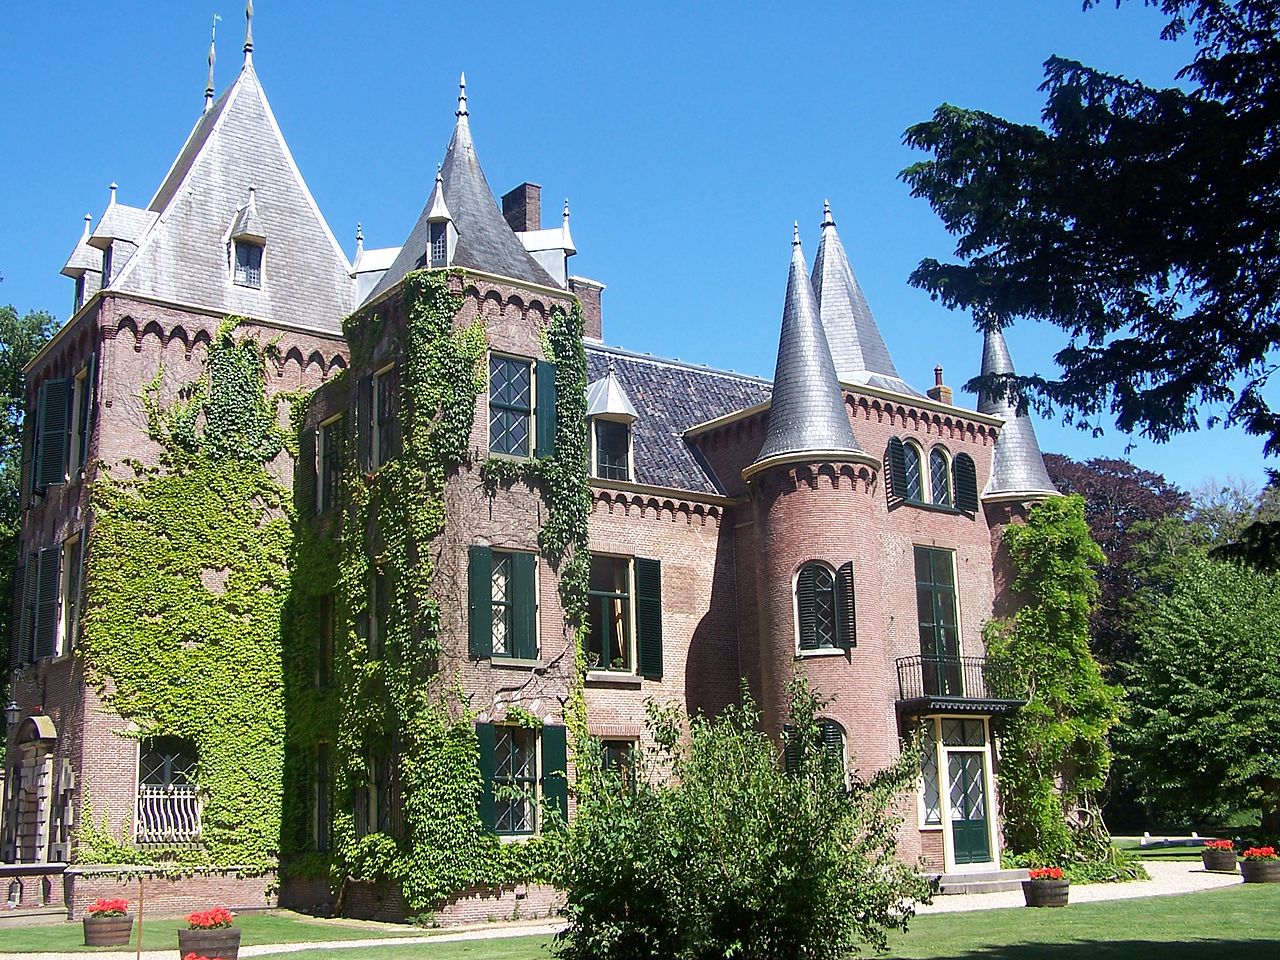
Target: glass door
{"points": [[970, 839]]}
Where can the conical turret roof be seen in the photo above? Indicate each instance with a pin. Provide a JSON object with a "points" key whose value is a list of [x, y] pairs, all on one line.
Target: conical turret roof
{"points": [[806, 412], [857, 348], [1018, 466], [486, 241]]}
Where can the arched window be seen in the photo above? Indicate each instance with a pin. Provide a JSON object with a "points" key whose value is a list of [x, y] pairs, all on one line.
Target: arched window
{"points": [[825, 606], [913, 489], [831, 735], [940, 477]]}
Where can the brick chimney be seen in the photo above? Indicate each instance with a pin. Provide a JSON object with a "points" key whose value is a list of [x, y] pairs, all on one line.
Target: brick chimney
{"points": [[523, 207], [939, 391], [588, 294]]}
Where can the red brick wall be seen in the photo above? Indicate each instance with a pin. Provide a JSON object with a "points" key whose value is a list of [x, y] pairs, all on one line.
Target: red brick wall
{"points": [[168, 896], [382, 901]]}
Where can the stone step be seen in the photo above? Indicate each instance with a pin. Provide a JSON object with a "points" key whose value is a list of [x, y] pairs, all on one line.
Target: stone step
{"points": [[23, 915], [988, 881]]}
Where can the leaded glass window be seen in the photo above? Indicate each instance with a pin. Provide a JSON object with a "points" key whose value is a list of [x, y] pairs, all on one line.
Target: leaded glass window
{"points": [[439, 245], [963, 733], [515, 779], [915, 483], [248, 264], [510, 406], [500, 592], [816, 605], [940, 478], [929, 776]]}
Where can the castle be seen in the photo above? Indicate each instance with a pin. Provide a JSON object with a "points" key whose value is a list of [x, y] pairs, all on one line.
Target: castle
{"points": [[834, 522]]}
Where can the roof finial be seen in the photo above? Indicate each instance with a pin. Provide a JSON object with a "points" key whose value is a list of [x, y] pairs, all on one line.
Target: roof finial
{"points": [[248, 32], [795, 233], [88, 220], [440, 174], [462, 96], [359, 239], [113, 188], [208, 87], [566, 209], [827, 219]]}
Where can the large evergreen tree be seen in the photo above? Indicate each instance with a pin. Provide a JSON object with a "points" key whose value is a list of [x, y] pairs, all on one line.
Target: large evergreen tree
{"points": [[1144, 222]]}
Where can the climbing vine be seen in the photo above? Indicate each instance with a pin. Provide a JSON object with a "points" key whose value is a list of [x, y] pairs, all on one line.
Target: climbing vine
{"points": [[392, 701], [188, 573]]}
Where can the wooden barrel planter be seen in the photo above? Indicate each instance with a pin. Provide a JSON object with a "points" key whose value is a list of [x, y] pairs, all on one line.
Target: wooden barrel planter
{"points": [[1045, 893], [107, 931], [1260, 871], [220, 943], [1219, 861]]}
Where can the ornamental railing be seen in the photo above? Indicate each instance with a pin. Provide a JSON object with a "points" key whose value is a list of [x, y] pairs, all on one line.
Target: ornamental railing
{"points": [[955, 678], [169, 814]]}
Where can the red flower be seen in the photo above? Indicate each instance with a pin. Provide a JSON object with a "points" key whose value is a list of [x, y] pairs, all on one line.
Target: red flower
{"points": [[1046, 873], [108, 908], [1219, 845], [192, 956], [1260, 853], [210, 919]]}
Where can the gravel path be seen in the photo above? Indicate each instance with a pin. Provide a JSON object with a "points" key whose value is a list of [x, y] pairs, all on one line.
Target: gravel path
{"points": [[1166, 878]]}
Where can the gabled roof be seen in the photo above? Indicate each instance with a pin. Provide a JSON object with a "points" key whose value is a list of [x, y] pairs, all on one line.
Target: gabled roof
{"points": [[670, 397], [807, 413], [857, 348], [183, 256], [486, 241], [1017, 464], [120, 222]]}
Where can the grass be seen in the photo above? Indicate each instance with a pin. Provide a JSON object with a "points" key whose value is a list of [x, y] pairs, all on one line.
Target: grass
{"points": [[1152, 852], [1235, 922], [276, 926]]}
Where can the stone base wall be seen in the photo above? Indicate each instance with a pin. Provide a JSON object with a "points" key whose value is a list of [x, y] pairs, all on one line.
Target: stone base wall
{"points": [[383, 901], [165, 896]]}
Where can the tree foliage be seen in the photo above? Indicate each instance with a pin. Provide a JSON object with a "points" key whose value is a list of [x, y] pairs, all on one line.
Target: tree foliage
{"points": [[1144, 222], [732, 857], [1055, 753], [1205, 725], [1122, 502]]}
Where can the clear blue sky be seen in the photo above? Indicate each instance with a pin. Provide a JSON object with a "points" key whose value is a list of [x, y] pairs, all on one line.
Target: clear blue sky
{"points": [[687, 136]]}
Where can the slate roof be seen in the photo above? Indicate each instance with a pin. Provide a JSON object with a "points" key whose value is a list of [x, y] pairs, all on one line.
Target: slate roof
{"points": [[84, 257], [670, 397], [486, 241], [807, 410], [857, 348], [121, 222], [1017, 464], [606, 396], [183, 256]]}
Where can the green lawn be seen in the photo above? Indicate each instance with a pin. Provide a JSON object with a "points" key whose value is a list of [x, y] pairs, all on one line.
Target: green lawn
{"points": [[279, 926], [1158, 853]]}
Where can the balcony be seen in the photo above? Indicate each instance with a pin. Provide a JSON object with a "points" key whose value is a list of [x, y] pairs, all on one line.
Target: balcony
{"points": [[954, 685], [168, 815]]}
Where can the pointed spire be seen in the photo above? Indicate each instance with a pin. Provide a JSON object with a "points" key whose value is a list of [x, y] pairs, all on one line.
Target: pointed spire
{"points": [[248, 32], [1017, 464], [437, 209], [566, 238], [213, 56], [88, 223], [359, 240], [857, 348], [113, 188], [462, 96], [806, 412]]}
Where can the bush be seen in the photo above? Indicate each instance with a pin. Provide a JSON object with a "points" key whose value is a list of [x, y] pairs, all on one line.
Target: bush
{"points": [[708, 849]]}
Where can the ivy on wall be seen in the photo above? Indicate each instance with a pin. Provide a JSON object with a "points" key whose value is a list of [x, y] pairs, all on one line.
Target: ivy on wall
{"points": [[391, 699], [186, 580]]}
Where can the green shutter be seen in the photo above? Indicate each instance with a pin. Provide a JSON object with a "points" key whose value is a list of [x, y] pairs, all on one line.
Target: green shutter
{"points": [[846, 611], [807, 606], [480, 601], [524, 605], [545, 410], [17, 625], [49, 582], [790, 749], [304, 481], [28, 477], [555, 771], [27, 618], [88, 403], [649, 617], [487, 809], [897, 469], [832, 738], [52, 436], [965, 480]]}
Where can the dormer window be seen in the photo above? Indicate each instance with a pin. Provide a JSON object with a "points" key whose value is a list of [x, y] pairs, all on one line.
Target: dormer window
{"points": [[106, 266], [248, 267], [612, 442], [79, 291], [439, 244]]}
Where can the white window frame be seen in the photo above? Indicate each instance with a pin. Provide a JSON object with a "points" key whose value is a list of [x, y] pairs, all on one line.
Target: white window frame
{"points": [[235, 264], [72, 566], [79, 384], [835, 650], [631, 459], [531, 445], [324, 439], [535, 801], [951, 492], [923, 460], [633, 650]]}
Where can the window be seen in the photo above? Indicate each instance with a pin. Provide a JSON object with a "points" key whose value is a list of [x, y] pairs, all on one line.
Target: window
{"points": [[617, 756], [168, 792], [524, 772], [936, 612], [439, 244], [72, 572], [330, 464], [502, 604], [248, 272], [80, 287], [40, 625], [80, 412], [825, 616], [384, 415], [940, 477], [914, 487], [930, 793], [381, 603], [613, 449], [831, 736], [324, 658], [510, 406], [106, 265], [609, 614], [965, 475], [322, 789], [54, 407]]}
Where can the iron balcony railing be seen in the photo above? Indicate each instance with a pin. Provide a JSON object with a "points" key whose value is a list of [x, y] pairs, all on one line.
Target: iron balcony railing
{"points": [[952, 678], [169, 814]]}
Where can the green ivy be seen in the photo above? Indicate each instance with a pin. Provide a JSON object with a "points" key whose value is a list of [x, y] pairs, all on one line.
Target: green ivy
{"points": [[187, 577]]}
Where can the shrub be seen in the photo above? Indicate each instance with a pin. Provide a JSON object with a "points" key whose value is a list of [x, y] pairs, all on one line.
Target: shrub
{"points": [[108, 908], [210, 919]]}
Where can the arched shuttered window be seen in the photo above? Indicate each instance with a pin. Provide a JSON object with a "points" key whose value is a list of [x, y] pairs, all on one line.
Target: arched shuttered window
{"points": [[825, 606], [940, 477], [965, 475], [905, 478], [957, 488]]}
